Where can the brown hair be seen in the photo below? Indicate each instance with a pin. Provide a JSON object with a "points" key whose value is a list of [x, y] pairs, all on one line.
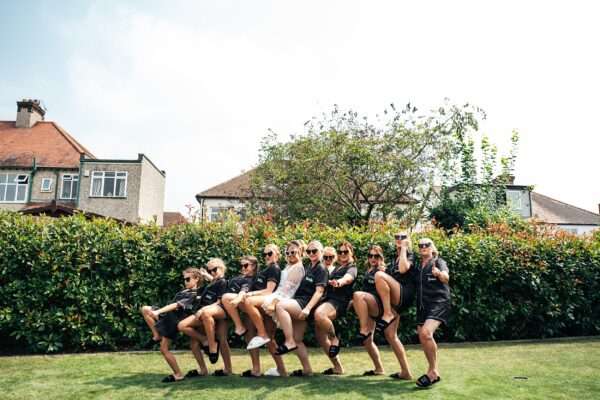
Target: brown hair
{"points": [[377, 249], [348, 246], [252, 260], [195, 272]]}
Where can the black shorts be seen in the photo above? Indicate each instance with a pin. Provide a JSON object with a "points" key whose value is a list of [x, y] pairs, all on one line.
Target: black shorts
{"points": [[167, 325], [438, 311], [302, 301], [407, 298], [340, 306]]}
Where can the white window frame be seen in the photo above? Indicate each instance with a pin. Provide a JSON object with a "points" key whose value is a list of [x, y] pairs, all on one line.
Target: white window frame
{"points": [[73, 177], [515, 206], [102, 175], [219, 211], [18, 181], [49, 188]]}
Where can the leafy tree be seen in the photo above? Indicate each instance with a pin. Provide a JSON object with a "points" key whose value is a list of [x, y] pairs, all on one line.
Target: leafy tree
{"points": [[347, 169]]}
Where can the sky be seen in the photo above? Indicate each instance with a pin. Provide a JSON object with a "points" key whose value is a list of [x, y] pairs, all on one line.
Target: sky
{"points": [[195, 85]]}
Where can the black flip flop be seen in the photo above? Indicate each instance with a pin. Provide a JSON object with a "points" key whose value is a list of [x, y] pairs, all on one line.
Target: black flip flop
{"points": [[241, 335], [298, 373], [220, 372], [282, 349], [334, 349], [248, 374], [330, 371], [370, 373], [362, 338], [193, 373], [214, 357], [396, 375], [425, 382], [381, 325], [170, 379]]}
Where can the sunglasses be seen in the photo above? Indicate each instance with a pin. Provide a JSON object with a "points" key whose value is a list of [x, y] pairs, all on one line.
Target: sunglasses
{"points": [[372, 255], [400, 237], [312, 251], [244, 265], [212, 271], [268, 254], [328, 257], [187, 279], [424, 245], [344, 252], [290, 253]]}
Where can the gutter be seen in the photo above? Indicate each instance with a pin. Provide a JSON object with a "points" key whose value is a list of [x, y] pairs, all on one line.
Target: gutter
{"points": [[31, 175]]}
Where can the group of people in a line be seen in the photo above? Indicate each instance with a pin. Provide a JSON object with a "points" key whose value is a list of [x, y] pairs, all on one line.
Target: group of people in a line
{"points": [[260, 300]]}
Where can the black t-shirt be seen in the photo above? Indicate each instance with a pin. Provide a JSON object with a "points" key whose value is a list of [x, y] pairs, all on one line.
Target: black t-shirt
{"points": [[367, 284], [344, 293], [239, 283], [271, 273], [185, 300], [429, 288], [408, 277], [313, 277], [211, 293]]}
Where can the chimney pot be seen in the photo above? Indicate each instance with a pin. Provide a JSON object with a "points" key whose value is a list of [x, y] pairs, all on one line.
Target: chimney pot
{"points": [[29, 112]]}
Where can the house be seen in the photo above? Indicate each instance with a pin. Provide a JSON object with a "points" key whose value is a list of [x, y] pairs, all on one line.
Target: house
{"points": [[43, 169], [234, 193]]}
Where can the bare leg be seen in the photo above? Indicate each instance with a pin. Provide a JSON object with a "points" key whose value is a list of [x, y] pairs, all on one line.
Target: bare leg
{"points": [[325, 333], [272, 346], [189, 325], [389, 292], [251, 308], [429, 346], [254, 353], [150, 321], [208, 316], [365, 306], [391, 335], [170, 358], [224, 344], [197, 352], [362, 311], [285, 310], [233, 312], [302, 352]]}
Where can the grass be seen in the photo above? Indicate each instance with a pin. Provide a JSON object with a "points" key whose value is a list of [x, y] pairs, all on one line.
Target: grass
{"points": [[555, 369]]}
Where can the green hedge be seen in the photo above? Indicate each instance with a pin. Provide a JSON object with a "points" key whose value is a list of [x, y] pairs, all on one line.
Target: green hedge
{"points": [[71, 284]]}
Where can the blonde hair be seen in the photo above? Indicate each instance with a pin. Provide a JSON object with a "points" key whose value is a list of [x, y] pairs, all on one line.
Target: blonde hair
{"points": [[331, 250], [299, 243], [195, 272], [434, 250], [275, 249], [217, 262]]}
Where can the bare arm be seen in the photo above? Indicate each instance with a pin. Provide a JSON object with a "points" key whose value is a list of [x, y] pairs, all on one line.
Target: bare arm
{"points": [[268, 290], [166, 309], [403, 262]]}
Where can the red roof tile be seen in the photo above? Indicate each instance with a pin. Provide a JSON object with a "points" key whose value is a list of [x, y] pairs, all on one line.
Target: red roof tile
{"points": [[51, 146], [173, 218]]}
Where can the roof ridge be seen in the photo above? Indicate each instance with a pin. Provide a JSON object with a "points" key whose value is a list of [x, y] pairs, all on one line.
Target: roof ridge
{"points": [[567, 204], [227, 181], [72, 141]]}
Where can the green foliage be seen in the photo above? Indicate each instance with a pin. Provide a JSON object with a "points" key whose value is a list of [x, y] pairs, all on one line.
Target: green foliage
{"points": [[71, 284], [347, 169]]}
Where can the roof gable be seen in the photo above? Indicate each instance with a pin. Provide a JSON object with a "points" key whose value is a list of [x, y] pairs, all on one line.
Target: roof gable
{"points": [[46, 141], [238, 188], [552, 211]]}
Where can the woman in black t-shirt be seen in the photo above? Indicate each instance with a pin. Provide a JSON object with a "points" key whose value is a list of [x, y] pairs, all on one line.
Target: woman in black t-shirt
{"points": [[433, 305], [367, 306], [396, 287], [293, 313], [195, 329], [335, 303]]}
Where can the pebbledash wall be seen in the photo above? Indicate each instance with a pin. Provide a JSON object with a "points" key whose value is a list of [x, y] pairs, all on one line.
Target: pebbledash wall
{"points": [[143, 199]]}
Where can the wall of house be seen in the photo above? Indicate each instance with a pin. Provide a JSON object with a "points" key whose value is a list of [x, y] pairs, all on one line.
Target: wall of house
{"points": [[122, 208], [579, 229], [210, 205], [152, 193], [37, 196]]}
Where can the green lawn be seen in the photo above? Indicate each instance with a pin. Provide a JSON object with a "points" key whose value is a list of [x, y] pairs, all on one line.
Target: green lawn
{"points": [[560, 369]]}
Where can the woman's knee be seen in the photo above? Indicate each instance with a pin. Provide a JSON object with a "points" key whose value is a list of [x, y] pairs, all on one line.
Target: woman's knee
{"points": [[145, 310], [182, 325]]}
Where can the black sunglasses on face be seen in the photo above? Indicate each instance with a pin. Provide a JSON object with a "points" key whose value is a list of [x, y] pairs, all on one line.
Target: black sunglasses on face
{"points": [[328, 257], [245, 265], [343, 252], [212, 271], [400, 237], [187, 279], [290, 253], [268, 254], [424, 245], [312, 251], [371, 255]]}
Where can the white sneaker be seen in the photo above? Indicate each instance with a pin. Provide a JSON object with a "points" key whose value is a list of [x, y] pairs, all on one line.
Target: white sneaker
{"points": [[256, 342], [272, 372]]}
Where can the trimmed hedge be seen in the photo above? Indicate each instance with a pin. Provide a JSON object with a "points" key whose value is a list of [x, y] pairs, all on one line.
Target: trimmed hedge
{"points": [[70, 284]]}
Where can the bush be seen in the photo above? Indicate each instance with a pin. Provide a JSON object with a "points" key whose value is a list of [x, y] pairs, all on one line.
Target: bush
{"points": [[71, 284]]}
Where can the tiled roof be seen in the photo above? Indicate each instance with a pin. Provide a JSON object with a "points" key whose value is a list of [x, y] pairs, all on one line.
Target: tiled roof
{"points": [[51, 146], [549, 210], [236, 188], [173, 218]]}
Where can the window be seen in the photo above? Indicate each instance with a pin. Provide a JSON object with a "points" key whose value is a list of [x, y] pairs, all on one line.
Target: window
{"points": [[108, 184], [13, 187], [217, 213], [514, 199], [46, 185], [70, 186]]}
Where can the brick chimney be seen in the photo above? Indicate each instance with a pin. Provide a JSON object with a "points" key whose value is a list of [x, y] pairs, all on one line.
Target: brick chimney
{"points": [[28, 113]]}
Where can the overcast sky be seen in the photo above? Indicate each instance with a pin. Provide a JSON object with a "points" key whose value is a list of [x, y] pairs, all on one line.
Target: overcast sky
{"points": [[195, 84]]}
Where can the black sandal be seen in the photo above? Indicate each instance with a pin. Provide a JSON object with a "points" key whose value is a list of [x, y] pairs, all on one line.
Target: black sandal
{"points": [[425, 382], [363, 338], [381, 325], [193, 373], [298, 373], [330, 371], [220, 372], [241, 335], [170, 379], [214, 357], [283, 349], [396, 375], [371, 373], [248, 374]]}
